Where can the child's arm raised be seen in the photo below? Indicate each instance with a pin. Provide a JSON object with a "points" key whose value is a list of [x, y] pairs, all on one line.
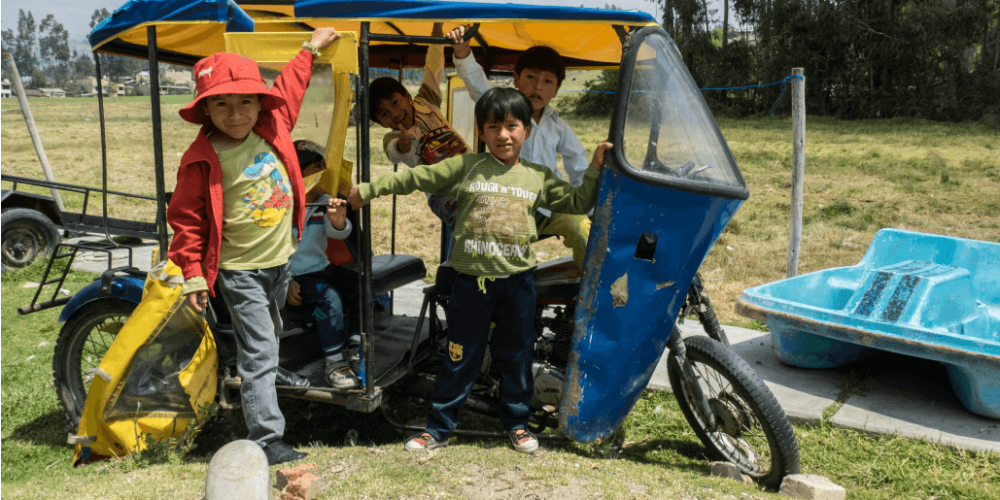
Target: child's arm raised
{"points": [[440, 178], [430, 88], [465, 64], [293, 81]]}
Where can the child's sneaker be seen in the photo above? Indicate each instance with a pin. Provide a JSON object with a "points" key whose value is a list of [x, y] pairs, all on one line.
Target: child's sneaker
{"points": [[340, 376], [423, 442], [524, 441]]}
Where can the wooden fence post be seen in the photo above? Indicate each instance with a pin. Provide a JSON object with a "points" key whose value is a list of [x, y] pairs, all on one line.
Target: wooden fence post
{"points": [[798, 168], [29, 120]]}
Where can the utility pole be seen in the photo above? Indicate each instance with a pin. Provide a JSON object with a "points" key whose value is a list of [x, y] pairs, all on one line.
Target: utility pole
{"points": [[798, 168], [32, 130]]}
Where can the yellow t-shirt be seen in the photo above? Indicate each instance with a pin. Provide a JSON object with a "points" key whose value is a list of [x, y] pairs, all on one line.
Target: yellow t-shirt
{"points": [[257, 207]]}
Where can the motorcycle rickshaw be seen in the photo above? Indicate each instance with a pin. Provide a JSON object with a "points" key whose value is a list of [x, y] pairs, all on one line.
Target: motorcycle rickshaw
{"points": [[666, 193]]}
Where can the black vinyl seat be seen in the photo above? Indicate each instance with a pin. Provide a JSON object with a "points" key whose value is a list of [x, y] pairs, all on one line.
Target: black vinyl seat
{"points": [[393, 271]]}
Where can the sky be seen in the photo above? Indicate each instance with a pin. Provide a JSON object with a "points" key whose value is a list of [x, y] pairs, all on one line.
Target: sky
{"points": [[75, 14]]}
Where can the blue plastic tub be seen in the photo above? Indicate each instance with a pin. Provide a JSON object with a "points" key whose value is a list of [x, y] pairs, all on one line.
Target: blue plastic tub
{"points": [[917, 294]]}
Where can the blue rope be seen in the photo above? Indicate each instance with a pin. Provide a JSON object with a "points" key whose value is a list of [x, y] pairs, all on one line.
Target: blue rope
{"points": [[783, 82]]}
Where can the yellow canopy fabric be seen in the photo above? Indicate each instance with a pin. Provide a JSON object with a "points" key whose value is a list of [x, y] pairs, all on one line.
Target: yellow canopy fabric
{"points": [[584, 42]]}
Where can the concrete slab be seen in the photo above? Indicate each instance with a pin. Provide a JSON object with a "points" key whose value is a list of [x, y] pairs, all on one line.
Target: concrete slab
{"points": [[408, 299], [803, 394], [97, 262], [912, 397]]}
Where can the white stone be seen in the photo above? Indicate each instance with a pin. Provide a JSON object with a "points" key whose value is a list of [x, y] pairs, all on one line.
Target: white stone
{"points": [[238, 471], [729, 471], [811, 487]]}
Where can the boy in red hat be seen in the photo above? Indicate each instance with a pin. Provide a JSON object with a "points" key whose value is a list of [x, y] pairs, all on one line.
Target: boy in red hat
{"points": [[238, 189]]}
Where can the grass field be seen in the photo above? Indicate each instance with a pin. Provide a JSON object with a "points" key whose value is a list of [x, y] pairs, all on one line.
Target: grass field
{"points": [[861, 176]]}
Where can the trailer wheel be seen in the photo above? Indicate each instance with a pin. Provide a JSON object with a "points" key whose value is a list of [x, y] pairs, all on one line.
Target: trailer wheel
{"points": [[26, 235]]}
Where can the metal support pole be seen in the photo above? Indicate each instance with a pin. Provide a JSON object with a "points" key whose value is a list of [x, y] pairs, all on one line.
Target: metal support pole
{"points": [[154, 102], [104, 154], [798, 169], [367, 302], [29, 120]]}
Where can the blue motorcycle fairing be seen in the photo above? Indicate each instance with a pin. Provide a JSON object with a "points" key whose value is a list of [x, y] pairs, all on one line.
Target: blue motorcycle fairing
{"points": [[628, 305], [122, 287]]}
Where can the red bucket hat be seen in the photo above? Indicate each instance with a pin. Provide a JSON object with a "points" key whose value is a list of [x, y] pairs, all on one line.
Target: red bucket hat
{"points": [[226, 73]]}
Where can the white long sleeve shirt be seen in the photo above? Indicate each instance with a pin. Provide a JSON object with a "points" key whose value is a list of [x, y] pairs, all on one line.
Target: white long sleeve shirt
{"points": [[550, 137]]}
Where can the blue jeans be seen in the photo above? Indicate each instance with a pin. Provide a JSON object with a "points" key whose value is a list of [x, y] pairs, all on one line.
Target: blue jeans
{"points": [[254, 299], [511, 301], [330, 298]]}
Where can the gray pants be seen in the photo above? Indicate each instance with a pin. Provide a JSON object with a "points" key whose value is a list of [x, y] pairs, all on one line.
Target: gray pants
{"points": [[254, 299]]}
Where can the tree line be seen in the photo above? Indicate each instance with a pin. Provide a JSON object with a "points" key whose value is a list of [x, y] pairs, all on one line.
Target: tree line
{"points": [[934, 59], [42, 52]]}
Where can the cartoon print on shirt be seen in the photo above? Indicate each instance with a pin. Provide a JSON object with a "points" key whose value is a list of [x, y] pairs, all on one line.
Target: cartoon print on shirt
{"points": [[268, 200], [439, 144]]}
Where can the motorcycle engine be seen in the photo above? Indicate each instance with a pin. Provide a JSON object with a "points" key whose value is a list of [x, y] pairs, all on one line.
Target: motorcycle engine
{"points": [[551, 355], [549, 382]]}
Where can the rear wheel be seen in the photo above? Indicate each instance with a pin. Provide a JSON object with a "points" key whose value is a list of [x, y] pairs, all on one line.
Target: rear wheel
{"points": [[83, 342], [26, 234], [752, 431]]}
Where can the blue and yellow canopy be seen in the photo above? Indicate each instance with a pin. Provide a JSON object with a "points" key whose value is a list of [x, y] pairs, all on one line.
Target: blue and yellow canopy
{"points": [[188, 30]]}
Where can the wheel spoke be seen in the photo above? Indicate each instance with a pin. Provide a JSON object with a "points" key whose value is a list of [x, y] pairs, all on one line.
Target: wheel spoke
{"points": [[750, 450]]}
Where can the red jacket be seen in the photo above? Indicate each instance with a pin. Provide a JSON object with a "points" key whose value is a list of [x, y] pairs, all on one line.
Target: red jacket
{"points": [[195, 211]]}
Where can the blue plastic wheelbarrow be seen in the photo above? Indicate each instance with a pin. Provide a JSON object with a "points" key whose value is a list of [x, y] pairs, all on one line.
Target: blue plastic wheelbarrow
{"points": [[917, 294]]}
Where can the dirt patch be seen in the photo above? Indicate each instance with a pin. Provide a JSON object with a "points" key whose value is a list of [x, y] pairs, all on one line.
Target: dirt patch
{"points": [[510, 484]]}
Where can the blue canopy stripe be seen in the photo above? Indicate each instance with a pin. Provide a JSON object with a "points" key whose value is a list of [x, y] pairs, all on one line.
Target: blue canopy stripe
{"points": [[139, 12], [470, 11]]}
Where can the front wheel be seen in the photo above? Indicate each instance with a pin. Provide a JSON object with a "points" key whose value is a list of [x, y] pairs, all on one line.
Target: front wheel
{"points": [[751, 431], [83, 342]]}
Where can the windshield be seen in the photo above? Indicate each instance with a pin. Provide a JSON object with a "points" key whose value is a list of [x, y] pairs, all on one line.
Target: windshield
{"points": [[669, 133]]}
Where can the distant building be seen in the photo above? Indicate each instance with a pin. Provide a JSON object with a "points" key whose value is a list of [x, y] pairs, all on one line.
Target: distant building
{"points": [[53, 92], [32, 93], [179, 78], [5, 92], [173, 82], [88, 87]]}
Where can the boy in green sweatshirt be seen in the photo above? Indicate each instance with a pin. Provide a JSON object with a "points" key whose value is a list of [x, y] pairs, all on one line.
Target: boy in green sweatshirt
{"points": [[497, 195]]}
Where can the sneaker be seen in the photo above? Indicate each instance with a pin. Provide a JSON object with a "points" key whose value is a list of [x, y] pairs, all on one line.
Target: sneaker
{"points": [[340, 376], [524, 441], [423, 442], [354, 357]]}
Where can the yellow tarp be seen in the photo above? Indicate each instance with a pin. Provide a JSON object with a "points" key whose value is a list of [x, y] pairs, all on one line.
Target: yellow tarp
{"points": [[158, 376]]}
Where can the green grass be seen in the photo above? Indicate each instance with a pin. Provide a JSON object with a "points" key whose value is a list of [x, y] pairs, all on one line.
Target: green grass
{"points": [[860, 176], [655, 453]]}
